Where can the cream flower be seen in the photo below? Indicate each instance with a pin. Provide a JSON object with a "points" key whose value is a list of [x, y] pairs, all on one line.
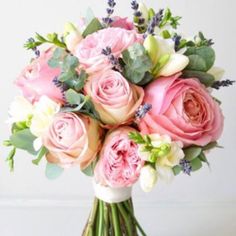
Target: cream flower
{"points": [[44, 111], [20, 110], [148, 178]]}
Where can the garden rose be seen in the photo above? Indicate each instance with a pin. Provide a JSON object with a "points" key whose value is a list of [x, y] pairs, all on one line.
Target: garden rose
{"points": [[72, 139], [123, 23], [119, 164], [113, 97], [89, 50], [182, 109], [37, 80]]}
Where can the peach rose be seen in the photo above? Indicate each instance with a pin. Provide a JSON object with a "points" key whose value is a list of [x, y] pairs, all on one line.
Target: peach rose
{"points": [[182, 109], [113, 97], [89, 50], [37, 80], [72, 139], [123, 23]]}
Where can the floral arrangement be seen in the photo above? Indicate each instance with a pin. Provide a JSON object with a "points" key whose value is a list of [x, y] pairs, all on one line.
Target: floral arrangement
{"points": [[125, 100]]}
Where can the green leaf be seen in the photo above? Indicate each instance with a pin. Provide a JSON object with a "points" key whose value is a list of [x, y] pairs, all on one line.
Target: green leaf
{"points": [[207, 54], [203, 158], [177, 170], [10, 159], [89, 171], [23, 140], [192, 152], [72, 97], [210, 146], [42, 152], [137, 63], [196, 164], [204, 78], [89, 16], [92, 27], [53, 171]]}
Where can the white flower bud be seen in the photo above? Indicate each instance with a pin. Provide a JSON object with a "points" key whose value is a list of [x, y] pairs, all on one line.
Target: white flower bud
{"points": [[217, 72], [143, 8], [148, 178]]}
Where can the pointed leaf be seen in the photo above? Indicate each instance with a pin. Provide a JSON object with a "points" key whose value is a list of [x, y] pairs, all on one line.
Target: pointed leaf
{"points": [[53, 171], [192, 152]]}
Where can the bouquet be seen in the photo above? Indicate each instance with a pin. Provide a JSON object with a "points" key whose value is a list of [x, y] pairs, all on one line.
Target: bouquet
{"points": [[125, 100]]}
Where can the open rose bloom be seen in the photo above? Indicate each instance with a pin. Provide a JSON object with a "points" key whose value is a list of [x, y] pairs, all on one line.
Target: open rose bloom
{"points": [[123, 100]]}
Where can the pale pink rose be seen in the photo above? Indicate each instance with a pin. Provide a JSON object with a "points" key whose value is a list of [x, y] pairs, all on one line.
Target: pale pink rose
{"points": [[89, 50], [182, 109], [37, 79], [113, 97], [72, 139], [123, 23], [119, 164]]}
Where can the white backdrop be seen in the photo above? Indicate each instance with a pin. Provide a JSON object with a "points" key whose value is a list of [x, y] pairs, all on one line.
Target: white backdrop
{"points": [[204, 203]]}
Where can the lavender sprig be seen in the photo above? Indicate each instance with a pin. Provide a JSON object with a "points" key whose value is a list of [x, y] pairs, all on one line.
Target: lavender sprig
{"points": [[177, 40], [138, 14], [155, 21], [35, 49], [186, 167], [62, 86], [110, 10], [113, 60], [142, 111], [222, 83]]}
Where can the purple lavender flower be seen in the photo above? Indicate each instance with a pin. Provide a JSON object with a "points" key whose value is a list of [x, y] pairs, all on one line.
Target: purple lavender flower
{"points": [[143, 110], [186, 167], [110, 10], [222, 83]]}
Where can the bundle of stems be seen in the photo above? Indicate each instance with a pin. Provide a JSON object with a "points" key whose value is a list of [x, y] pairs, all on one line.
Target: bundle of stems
{"points": [[112, 219]]}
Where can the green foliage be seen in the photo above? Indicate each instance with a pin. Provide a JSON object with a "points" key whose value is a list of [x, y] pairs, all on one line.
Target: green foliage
{"points": [[79, 103], [23, 139], [39, 40], [42, 152], [89, 171], [146, 142], [204, 78], [137, 63], [177, 169], [196, 164], [192, 152], [169, 19], [92, 27], [10, 159], [201, 58], [53, 171]]}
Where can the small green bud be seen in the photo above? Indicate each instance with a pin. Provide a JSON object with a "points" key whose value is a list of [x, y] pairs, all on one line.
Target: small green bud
{"points": [[151, 13], [7, 143]]}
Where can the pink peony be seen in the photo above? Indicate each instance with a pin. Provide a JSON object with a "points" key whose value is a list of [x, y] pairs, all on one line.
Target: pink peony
{"points": [[123, 23], [119, 164], [89, 50], [37, 80], [113, 97], [72, 139], [182, 109]]}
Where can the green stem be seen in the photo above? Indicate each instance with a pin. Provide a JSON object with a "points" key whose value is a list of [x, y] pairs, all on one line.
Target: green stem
{"points": [[126, 218], [101, 218], [106, 220], [126, 204], [89, 230], [115, 220]]}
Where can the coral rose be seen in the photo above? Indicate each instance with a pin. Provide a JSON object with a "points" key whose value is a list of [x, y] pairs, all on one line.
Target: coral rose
{"points": [[113, 97], [119, 164], [72, 139], [37, 80], [182, 109]]}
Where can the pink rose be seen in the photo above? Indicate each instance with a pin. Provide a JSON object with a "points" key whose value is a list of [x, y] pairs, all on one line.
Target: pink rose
{"points": [[123, 23], [37, 80], [72, 139], [89, 50], [182, 109], [119, 164], [113, 97]]}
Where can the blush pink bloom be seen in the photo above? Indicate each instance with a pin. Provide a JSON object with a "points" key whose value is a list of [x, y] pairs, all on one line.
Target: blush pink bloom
{"points": [[89, 50], [182, 109], [119, 164], [72, 139], [123, 23], [37, 80], [113, 97]]}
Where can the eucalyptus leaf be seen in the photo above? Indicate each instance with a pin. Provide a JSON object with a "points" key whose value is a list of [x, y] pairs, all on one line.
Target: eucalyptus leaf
{"points": [[89, 16], [204, 78], [203, 158], [192, 152], [177, 169], [210, 146], [197, 63], [23, 140], [92, 27], [196, 164], [89, 171], [53, 171]]}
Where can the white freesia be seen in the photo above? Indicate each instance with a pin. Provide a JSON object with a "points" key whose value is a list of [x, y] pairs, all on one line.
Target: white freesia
{"points": [[217, 72], [144, 10], [20, 110], [148, 178], [165, 46], [165, 173], [176, 63], [44, 111], [72, 37]]}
